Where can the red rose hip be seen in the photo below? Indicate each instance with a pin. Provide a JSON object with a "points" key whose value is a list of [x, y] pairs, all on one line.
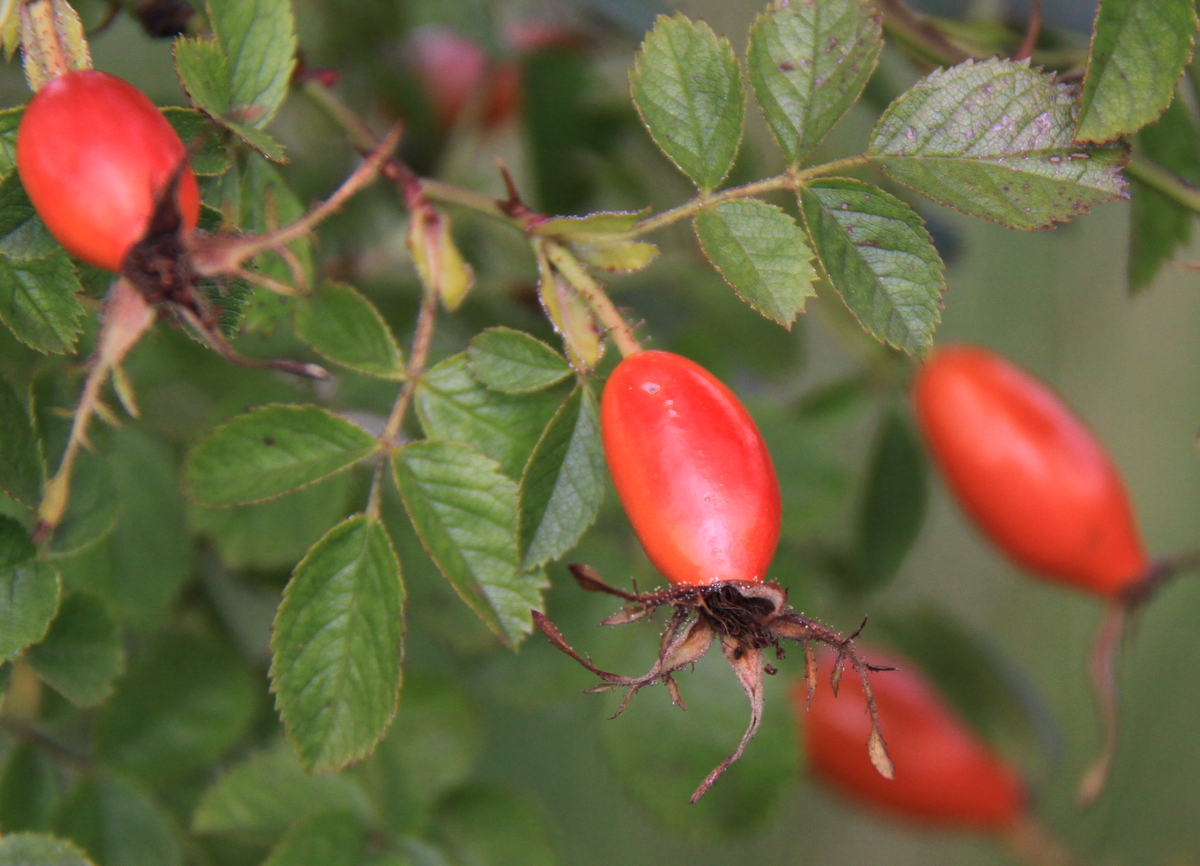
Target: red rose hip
{"points": [[691, 470], [94, 154], [1031, 475], [944, 774]]}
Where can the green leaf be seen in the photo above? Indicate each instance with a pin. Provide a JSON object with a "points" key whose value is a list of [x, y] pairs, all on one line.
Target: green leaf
{"points": [[183, 703], [1158, 225], [491, 826], [880, 259], [688, 90], [337, 645], [808, 63], [590, 227], [30, 789], [38, 303], [265, 794], [514, 362], [328, 839], [622, 257], [35, 849], [892, 509], [82, 653], [117, 821], [29, 590], [344, 327], [269, 451], [277, 533], [207, 152], [206, 76], [454, 405], [204, 73], [10, 120], [21, 468], [259, 39], [995, 139], [23, 235], [563, 484], [761, 252], [660, 753], [1138, 53], [465, 513], [140, 566]]}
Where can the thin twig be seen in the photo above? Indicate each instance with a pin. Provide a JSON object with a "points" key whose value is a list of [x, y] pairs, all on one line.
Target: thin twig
{"points": [[1032, 31], [1103, 667], [597, 298]]}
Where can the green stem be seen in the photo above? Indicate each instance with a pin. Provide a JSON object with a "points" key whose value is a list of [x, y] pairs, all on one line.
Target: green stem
{"points": [[1159, 179], [914, 31], [597, 298]]}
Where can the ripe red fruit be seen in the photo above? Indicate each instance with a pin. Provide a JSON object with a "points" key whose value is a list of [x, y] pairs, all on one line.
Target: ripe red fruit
{"points": [[944, 774], [1028, 471], [94, 154], [691, 470]]}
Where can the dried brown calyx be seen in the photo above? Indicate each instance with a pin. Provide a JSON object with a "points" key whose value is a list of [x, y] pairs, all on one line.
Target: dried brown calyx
{"points": [[748, 618]]}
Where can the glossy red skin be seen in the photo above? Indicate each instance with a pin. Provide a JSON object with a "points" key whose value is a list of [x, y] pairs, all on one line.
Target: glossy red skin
{"points": [[93, 153], [691, 470], [945, 775], [1028, 471]]}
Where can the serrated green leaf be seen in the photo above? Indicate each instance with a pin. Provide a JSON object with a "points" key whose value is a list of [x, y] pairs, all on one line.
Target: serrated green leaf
{"points": [[1138, 53], [492, 826], [328, 839], [23, 235], [808, 63], [207, 77], [337, 644], [138, 568], [892, 508], [117, 821], [465, 513], [208, 156], [183, 703], [344, 327], [204, 73], [82, 654], [30, 789], [29, 590], [38, 302], [995, 139], [563, 484], [1159, 226], [880, 259], [21, 469], [277, 533], [36, 849], [454, 405], [265, 794], [259, 39], [761, 252], [270, 451], [514, 362], [687, 87]]}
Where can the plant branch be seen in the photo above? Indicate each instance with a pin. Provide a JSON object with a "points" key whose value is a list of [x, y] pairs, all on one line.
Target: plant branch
{"points": [[1165, 182], [413, 370], [597, 298], [914, 30]]}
